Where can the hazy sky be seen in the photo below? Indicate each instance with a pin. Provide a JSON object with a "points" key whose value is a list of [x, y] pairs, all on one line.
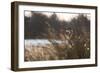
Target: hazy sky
{"points": [[61, 16]]}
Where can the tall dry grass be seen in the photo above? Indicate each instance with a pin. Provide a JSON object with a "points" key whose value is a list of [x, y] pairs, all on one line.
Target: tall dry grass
{"points": [[54, 52]]}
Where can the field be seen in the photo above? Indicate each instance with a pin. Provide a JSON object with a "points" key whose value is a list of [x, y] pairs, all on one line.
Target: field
{"points": [[52, 51], [56, 36]]}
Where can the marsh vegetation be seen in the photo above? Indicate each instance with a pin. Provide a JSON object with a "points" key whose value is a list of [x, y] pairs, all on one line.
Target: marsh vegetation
{"points": [[53, 38]]}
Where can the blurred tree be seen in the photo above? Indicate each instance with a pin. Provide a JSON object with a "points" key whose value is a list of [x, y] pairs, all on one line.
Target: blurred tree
{"points": [[26, 27], [37, 26], [81, 30]]}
